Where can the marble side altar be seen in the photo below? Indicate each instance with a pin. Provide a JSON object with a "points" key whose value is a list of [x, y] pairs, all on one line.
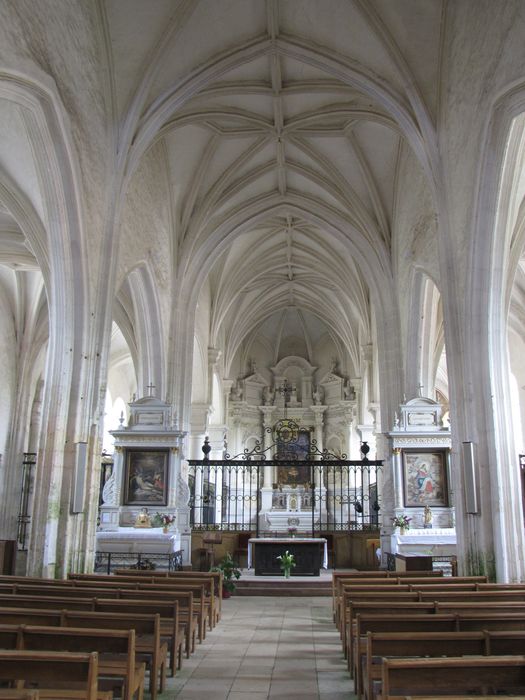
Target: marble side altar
{"points": [[139, 541], [146, 473], [130, 546], [437, 541]]}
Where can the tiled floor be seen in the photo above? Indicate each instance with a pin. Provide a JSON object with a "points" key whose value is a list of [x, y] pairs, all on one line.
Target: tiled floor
{"points": [[267, 647]]}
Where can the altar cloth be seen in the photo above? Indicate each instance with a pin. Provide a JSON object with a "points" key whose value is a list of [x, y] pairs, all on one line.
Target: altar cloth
{"points": [[131, 540], [424, 541]]}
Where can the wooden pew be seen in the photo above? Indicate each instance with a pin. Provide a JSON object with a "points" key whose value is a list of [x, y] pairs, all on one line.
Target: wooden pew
{"points": [[488, 596], [365, 623], [429, 608], [464, 675], [45, 602], [61, 675], [149, 646], [201, 605], [430, 644], [490, 622], [170, 628], [202, 588], [444, 595], [116, 649], [212, 579], [164, 600], [340, 580]]}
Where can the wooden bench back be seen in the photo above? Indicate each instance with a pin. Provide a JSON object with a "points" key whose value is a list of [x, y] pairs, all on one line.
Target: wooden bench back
{"points": [[51, 669], [45, 602], [493, 674]]}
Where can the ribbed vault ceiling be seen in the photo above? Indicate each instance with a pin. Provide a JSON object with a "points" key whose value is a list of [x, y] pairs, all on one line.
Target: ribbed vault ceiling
{"points": [[278, 117]]}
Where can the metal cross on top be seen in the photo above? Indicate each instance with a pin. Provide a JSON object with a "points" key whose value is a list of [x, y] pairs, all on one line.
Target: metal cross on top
{"points": [[150, 388], [285, 389]]}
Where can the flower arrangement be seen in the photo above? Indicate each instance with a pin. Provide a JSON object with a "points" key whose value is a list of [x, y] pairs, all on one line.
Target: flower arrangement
{"points": [[402, 521], [229, 571], [287, 563], [163, 520]]}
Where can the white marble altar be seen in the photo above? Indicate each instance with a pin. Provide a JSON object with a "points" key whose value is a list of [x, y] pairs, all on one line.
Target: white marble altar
{"points": [[437, 541], [151, 426], [130, 540]]}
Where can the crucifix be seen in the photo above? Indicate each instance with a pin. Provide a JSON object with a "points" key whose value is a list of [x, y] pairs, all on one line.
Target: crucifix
{"points": [[419, 390], [150, 388]]}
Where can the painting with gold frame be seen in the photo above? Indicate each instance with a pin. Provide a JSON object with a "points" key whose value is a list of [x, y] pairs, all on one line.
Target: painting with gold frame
{"points": [[146, 477], [425, 478]]}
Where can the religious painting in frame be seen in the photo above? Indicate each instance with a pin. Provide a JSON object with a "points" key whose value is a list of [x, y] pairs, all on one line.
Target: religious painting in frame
{"points": [[146, 477], [425, 478], [293, 445]]}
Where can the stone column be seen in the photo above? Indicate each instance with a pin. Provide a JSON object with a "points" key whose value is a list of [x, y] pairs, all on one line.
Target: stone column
{"points": [[269, 477], [319, 487]]}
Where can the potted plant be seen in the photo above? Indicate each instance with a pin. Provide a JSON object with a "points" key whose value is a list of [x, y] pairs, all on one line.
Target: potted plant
{"points": [[230, 571], [287, 563], [402, 522]]}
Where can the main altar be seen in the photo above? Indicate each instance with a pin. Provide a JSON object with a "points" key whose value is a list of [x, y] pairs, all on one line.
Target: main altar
{"points": [[144, 486], [310, 553]]}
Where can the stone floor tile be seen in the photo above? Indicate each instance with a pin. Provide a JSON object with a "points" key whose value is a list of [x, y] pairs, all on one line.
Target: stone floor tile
{"points": [[267, 648], [248, 684]]}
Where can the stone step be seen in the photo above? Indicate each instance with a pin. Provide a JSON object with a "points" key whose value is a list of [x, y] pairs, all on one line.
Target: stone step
{"points": [[283, 587]]}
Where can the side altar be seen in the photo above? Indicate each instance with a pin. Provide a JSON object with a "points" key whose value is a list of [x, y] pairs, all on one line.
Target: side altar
{"points": [[145, 486], [421, 486]]}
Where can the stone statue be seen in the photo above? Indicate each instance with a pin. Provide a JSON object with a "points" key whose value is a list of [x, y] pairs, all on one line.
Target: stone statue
{"points": [[427, 518], [237, 392], [143, 519], [268, 396], [317, 396], [349, 391]]}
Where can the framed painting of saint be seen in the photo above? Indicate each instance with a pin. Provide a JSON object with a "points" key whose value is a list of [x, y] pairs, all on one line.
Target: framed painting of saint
{"points": [[146, 477], [425, 478]]}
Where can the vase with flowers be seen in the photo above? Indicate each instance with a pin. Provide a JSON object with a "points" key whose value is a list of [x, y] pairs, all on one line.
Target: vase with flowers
{"points": [[163, 520], [287, 563], [402, 522]]}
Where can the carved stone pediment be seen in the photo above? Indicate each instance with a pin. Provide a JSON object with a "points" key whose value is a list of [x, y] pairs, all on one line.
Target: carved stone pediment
{"points": [[418, 415], [149, 413]]}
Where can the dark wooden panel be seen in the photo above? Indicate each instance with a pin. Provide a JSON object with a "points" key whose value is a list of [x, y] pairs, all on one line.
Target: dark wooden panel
{"points": [[308, 557]]}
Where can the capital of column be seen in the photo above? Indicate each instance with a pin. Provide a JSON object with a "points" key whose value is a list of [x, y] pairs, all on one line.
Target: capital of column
{"points": [[267, 412], [318, 413], [227, 386]]}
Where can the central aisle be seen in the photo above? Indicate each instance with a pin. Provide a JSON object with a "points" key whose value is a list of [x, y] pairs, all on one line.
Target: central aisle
{"points": [[267, 647]]}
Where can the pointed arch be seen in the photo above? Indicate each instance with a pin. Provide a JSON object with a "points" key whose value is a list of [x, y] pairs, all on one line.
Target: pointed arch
{"points": [[139, 314]]}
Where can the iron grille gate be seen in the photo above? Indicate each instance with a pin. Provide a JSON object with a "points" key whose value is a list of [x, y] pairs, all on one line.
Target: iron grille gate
{"points": [[320, 492]]}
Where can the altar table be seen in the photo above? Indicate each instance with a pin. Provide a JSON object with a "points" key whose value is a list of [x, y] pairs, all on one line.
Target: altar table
{"points": [[128, 546], [309, 553]]}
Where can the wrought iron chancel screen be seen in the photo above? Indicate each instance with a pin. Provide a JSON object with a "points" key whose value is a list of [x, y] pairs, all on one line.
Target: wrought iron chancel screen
{"points": [[290, 489]]}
